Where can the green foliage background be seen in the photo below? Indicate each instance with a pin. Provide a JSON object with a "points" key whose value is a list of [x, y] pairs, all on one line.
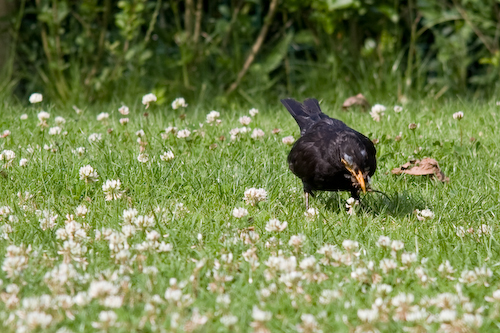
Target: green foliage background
{"points": [[93, 50]]}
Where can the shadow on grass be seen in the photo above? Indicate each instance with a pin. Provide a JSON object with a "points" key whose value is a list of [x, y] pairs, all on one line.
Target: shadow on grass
{"points": [[394, 204]]}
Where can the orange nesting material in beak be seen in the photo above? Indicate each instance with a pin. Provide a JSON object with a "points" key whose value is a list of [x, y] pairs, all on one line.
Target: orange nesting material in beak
{"points": [[358, 175]]}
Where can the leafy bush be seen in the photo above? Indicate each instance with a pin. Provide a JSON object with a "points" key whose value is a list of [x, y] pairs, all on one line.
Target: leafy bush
{"points": [[89, 49]]}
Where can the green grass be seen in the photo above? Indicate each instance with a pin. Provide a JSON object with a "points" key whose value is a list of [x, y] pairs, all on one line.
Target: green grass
{"points": [[210, 182]]}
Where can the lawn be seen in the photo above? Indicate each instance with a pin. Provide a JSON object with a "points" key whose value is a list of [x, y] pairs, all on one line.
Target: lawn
{"points": [[131, 226]]}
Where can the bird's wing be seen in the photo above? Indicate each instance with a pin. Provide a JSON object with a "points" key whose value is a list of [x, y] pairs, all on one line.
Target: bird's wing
{"points": [[307, 160], [354, 148]]}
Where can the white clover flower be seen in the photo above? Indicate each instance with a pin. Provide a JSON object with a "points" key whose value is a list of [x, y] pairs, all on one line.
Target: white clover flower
{"points": [[458, 115], [350, 204], [129, 215], [425, 214], [103, 116], [253, 195], [235, 133], [60, 121], [495, 297], [377, 112], [140, 133], [47, 219], [56, 130], [297, 241], [149, 98], [88, 174], [23, 162], [143, 158], [387, 264], [16, 260], [107, 319], [182, 134], [253, 112], [288, 140], [79, 151], [179, 103], [212, 117], [38, 320], [124, 121], [368, 315], [144, 221], [50, 148], [5, 134], [460, 231], [484, 229], [167, 156], [398, 108], [240, 212], [308, 324], [308, 263], [81, 210], [384, 289], [408, 258], [7, 156], [169, 130], [124, 110], [43, 116], [111, 189], [276, 225], [257, 133], [228, 320], [223, 299], [397, 245], [447, 315], [350, 245], [95, 137], [328, 296], [245, 120], [384, 241], [311, 213], [112, 301], [24, 116], [259, 315], [36, 98], [474, 320]]}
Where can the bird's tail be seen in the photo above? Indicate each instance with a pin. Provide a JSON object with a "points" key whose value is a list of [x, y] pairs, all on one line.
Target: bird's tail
{"points": [[304, 114]]}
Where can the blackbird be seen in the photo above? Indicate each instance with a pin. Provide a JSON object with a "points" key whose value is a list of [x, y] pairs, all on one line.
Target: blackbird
{"points": [[329, 155]]}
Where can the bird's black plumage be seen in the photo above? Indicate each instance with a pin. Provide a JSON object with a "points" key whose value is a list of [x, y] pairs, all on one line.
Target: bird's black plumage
{"points": [[329, 155]]}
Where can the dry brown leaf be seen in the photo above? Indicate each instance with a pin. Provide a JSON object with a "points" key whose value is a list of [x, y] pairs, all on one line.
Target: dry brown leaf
{"points": [[427, 166], [358, 100]]}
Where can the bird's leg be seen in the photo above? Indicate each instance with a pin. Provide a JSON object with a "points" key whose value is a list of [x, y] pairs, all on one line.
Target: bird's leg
{"points": [[307, 200]]}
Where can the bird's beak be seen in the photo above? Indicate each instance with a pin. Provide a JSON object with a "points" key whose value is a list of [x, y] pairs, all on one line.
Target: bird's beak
{"points": [[359, 175], [361, 181]]}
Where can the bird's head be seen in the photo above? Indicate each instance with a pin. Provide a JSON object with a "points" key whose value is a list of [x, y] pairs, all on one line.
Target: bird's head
{"points": [[360, 178]]}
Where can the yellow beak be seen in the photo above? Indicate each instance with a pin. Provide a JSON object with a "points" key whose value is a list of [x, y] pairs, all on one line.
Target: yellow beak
{"points": [[359, 176], [361, 181]]}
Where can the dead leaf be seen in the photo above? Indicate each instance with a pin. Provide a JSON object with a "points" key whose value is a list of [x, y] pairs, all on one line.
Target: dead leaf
{"points": [[358, 100], [427, 166]]}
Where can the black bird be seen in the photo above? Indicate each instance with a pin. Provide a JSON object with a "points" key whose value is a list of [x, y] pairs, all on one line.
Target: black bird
{"points": [[329, 155]]}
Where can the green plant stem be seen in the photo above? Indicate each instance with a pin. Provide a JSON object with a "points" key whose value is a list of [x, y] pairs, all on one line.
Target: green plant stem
{"points": [[152, 22], [13, 47]]}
